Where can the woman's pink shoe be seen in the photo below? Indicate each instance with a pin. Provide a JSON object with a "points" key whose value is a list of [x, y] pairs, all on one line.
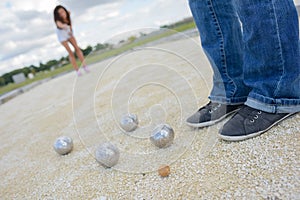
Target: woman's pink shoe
{"points": [[78, 73], [86, 69]]}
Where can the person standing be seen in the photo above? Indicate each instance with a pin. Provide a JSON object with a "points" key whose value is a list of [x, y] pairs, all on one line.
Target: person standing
{"points": [[253, 49], [65, 36]]}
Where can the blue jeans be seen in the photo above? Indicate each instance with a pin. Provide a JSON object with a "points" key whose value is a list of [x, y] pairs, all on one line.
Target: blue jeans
{"points": [[253, 48]]}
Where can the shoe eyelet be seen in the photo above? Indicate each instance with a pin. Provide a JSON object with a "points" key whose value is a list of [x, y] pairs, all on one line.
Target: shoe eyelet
{"points": [[210, 111], [255, 117], [259, 112], [251, 120]]}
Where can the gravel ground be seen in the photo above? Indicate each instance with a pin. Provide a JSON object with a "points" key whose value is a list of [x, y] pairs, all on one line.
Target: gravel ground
{"points": [[161, 84]]}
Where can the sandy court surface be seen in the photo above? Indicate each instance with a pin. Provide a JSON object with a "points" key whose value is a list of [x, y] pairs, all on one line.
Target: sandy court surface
{"points": [[161, 84]]}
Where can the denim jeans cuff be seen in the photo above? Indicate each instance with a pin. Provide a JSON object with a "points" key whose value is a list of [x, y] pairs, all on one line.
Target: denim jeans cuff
{"points": [[228, 101], [289, 106]]}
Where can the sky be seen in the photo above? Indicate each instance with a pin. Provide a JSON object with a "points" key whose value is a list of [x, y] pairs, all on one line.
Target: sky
{"points": [[27, 31]]}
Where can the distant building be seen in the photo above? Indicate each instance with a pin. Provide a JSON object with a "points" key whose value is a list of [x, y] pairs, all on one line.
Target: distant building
{"points": [[19, 78], [30, 76]]}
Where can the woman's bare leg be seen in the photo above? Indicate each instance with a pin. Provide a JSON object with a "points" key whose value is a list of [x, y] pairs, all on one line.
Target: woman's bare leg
{"points": [[71, 55], [78, 51]]}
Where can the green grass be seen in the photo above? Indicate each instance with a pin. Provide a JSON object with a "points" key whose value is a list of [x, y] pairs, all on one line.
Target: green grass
{"points": [[93, 58], [185, 27], [38, 76], [107, 54]]}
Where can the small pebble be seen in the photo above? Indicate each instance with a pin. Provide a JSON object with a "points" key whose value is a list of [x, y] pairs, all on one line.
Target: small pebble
{"points": [[164, 170]]}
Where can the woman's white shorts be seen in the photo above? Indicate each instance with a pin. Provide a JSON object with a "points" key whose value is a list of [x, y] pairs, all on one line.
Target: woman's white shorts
{"points": [[63, 34]]}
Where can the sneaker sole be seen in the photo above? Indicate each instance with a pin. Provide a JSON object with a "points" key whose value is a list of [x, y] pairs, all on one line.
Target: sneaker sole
{"points": [[244, 137], [210, 123]]}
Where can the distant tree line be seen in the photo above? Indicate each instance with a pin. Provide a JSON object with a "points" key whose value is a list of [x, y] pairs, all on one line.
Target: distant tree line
{"points": [[7, 77], [171, 26]]}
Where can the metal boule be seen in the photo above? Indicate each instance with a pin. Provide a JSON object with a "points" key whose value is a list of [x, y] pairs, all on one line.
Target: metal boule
{"points": [[162, 135]]}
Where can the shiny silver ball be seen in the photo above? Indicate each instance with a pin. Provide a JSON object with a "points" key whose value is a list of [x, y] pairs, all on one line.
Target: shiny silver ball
{"points": [[107, 154], [162, 135], [63, 145], [129, 122]]}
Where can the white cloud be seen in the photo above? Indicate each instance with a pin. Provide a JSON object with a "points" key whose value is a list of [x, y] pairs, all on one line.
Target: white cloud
{"points": [[9, 45]]}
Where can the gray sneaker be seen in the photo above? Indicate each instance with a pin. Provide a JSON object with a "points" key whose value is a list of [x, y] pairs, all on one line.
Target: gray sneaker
{"points": [[249, 122], [211, 114]]}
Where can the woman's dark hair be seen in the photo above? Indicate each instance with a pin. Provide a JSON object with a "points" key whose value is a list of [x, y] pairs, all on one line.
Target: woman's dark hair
{"points": [[58, 18]]}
